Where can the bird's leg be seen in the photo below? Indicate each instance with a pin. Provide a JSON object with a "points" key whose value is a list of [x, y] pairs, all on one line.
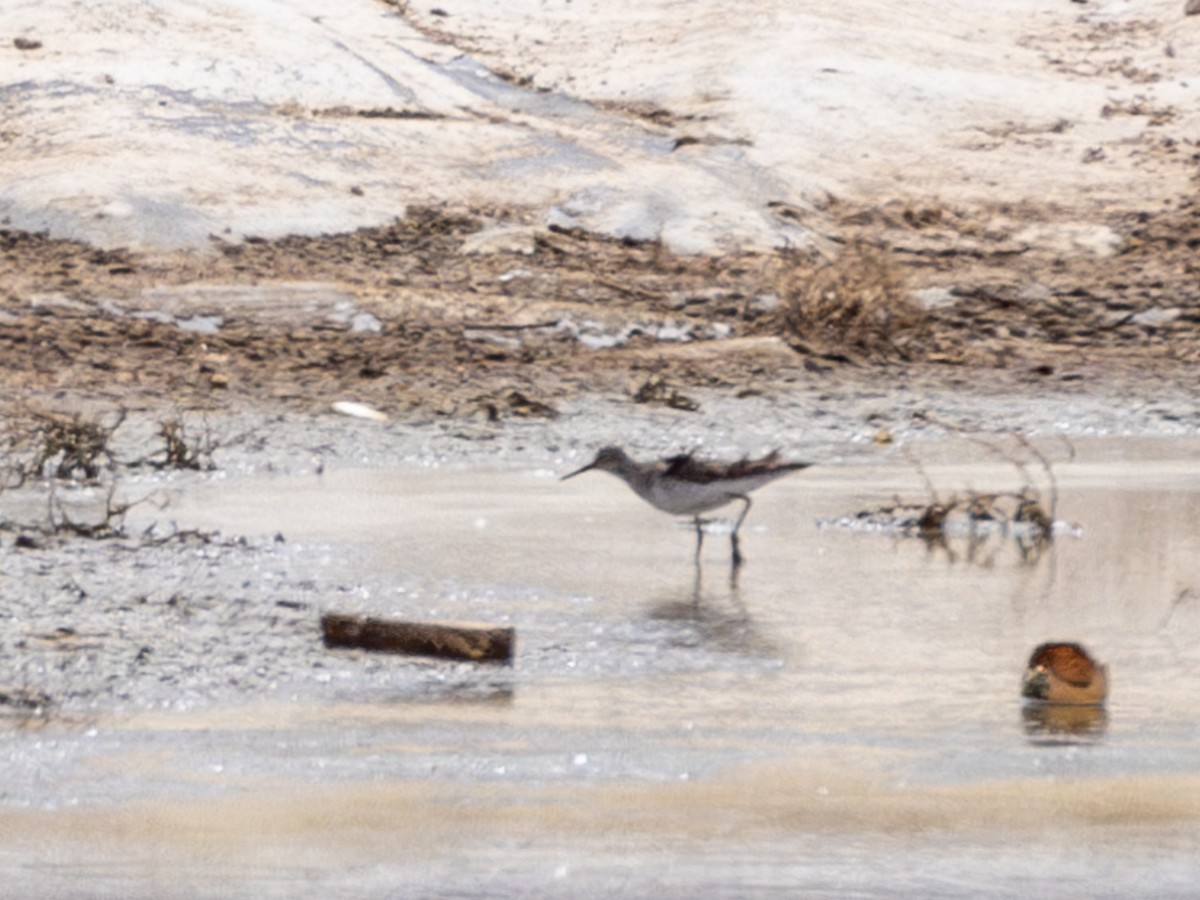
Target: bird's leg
{"points": [[733, 538], [699, 536]]}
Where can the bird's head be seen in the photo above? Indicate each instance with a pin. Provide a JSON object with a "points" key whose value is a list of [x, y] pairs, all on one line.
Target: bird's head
{"points": [[609, 459]]}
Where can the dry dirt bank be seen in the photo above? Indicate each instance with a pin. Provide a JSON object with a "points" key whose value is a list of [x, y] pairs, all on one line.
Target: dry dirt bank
{"points": [[475, 313]]}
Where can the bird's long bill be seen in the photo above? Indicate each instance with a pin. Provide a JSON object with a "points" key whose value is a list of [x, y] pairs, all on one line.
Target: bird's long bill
{"points": [[586, 468]]}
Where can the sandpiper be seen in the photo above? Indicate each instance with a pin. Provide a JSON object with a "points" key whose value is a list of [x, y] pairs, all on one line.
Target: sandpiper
{"points": [[1064, 673], [687, 486]]}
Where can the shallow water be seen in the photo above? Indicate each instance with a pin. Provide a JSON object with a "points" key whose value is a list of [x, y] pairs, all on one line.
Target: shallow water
{"points": [[844, 718]]}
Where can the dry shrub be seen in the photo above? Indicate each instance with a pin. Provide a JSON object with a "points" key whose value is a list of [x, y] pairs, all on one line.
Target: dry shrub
{"points": [[181, 453], [857, 305], [69, 447]]}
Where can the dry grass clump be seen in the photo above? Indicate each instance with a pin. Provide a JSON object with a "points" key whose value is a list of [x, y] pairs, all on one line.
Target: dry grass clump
{"points": [[181, 452], [69, 455], [68, 447], [858, 305]]}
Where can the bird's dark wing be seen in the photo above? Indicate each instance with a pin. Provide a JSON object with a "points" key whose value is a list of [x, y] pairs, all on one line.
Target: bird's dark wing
{"points": [[746, 466], [766, 465], [686, 467], [1069, 662]]}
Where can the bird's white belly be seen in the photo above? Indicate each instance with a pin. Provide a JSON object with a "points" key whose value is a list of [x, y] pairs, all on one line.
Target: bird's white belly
{"points": [[683, 498]]}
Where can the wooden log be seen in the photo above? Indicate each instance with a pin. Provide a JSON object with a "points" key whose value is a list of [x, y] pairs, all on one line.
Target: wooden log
{"points": [[477, 643]]}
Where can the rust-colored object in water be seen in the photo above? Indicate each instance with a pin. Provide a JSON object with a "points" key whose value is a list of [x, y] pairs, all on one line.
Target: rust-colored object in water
{"points": [[1065, 673], [476, 643]]}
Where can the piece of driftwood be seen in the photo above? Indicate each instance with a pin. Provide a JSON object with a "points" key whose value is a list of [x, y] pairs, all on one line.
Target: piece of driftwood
{"points": [[477, 643]]}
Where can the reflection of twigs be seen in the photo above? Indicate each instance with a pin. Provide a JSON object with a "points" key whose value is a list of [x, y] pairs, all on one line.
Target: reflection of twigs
{"points": [[977, 542], [1181, 598], [1031, 549], [114, 512]]}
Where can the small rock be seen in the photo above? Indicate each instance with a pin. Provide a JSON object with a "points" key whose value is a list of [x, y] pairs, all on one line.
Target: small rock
{"points": [[514, 275], [501, 239], [495, 338], [365, 323], [764, 303], [359, 411], [1191, 8], [934, 297], [26, 44], [1072, 237], [1156, 316], [522, 405], [1034, 293]]}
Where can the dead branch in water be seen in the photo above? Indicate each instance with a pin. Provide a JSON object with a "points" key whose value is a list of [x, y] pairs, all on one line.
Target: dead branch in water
{"points": [[1030, 510], [1026, 514], [476, 643]]}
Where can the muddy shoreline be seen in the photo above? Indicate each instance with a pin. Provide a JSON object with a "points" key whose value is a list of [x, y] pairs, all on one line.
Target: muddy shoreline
{"points": [[481, 316]]}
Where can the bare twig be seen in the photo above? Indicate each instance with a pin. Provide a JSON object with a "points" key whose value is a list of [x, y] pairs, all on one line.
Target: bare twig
{"points": [[916, 464], [1046, 467]]}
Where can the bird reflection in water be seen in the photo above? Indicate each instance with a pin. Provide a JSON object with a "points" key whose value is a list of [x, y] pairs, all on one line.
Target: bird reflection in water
{"points": [[717, 619], [1050, 724]]}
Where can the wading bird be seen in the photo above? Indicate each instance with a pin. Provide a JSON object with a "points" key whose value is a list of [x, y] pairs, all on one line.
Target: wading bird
{"points": [[687, 486]]}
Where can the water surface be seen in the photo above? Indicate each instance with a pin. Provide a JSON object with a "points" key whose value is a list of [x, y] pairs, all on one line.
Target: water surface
{"points": [[841, 718]]}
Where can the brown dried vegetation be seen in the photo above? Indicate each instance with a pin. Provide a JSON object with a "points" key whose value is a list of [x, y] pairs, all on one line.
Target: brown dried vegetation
{"points": [[67, 447], [857, 306], [1026, 514], [56, 449]]}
